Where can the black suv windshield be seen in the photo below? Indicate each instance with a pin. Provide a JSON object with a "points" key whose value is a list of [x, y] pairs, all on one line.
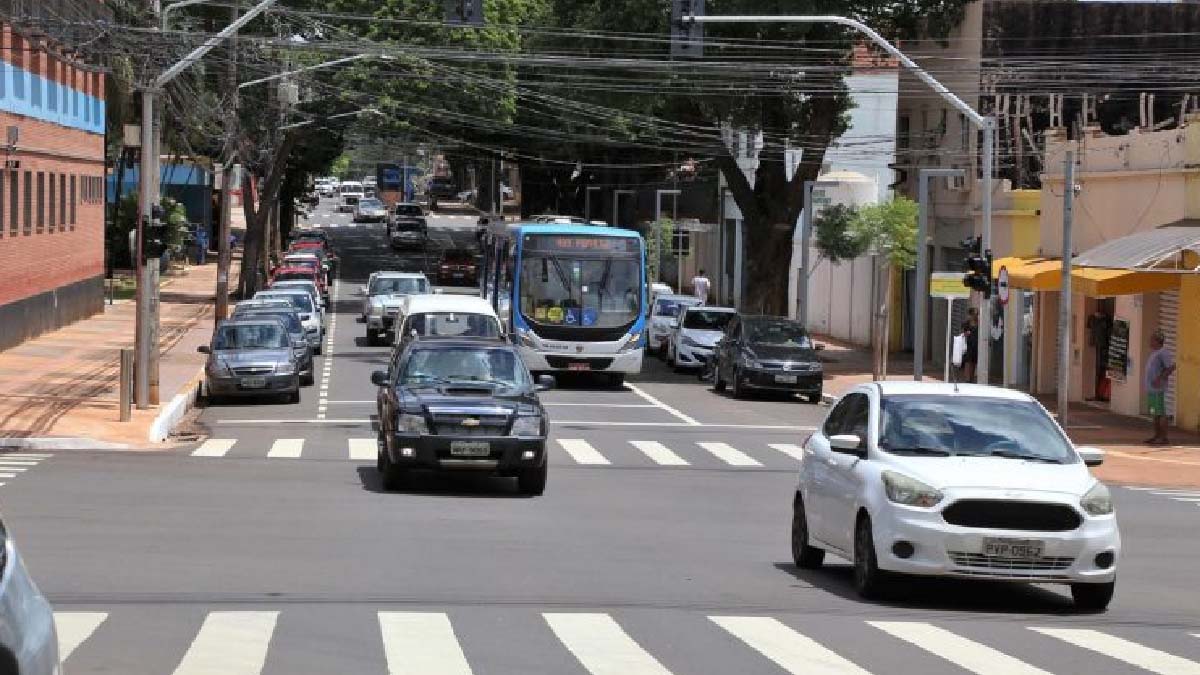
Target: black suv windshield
{"points": [[465, 364], [705, 319], [408, 210], [972, 426]]}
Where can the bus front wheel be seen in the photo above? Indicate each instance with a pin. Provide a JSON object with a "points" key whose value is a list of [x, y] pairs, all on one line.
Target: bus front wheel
{"points": [[616, 380]]}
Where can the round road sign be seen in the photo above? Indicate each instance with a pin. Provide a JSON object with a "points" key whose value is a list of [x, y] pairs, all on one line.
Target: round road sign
{"points": [[1002, 286]]}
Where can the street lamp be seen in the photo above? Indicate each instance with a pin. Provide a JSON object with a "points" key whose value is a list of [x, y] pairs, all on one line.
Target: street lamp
{"points": [[326, 64], [986, 124]]}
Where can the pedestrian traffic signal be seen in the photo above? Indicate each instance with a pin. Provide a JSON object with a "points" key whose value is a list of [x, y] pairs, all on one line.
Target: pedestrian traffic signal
{"points": [[464, 12], [978, 267], [687, 37]]}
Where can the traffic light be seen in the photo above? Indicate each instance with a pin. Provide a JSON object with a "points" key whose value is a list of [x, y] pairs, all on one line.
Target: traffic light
{"points": [[464, 12], [687, 37], [154, 234], [978, 267]]}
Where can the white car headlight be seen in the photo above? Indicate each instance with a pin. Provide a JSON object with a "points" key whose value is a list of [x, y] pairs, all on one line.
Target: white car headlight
{"points": [[412, 424], [285, 369], [527, 426], [1097, 501], [909, 491]]}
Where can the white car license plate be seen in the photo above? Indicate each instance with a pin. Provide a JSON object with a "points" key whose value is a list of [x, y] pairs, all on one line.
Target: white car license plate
{"points": [[1013, 548], [254, 382], [470, 448], [786, 379]]}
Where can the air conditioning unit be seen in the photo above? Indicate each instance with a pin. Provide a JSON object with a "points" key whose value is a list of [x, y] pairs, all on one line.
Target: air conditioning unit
{"points": [[956, 183]]}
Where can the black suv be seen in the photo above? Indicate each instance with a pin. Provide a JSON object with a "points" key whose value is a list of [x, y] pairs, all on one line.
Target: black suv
{"points": [[454, 403]]}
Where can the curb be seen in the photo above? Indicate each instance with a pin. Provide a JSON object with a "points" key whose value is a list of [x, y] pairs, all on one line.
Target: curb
{"points": [[58, 443], [171, 414]]}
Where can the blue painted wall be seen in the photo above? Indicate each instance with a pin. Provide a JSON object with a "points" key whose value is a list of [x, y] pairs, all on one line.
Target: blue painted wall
{"points": [[24, 93]]}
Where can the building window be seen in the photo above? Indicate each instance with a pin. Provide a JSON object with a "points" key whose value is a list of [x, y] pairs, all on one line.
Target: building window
{"points": [[72, 201], [903, 131], [18, 54], [62, 200], [14, 202], [41, 201], [50, 203], [28, 203], [35, 81]]}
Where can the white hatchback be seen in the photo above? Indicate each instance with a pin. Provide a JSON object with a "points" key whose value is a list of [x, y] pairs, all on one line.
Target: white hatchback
{"points": [[952, 480]]}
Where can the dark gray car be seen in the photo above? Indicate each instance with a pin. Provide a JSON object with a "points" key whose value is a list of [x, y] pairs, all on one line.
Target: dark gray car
{"points": [[291, 320], [251, 357]]}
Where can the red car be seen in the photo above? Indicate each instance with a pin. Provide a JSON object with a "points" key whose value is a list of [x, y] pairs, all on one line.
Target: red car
{"points": [[458, 267], [298, 273]]}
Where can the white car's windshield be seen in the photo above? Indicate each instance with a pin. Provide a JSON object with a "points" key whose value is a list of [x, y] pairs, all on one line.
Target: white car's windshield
{"points": [[496, 366], [704, 319], [398, 286], [971, 426], [300, 301], [454, 324]]}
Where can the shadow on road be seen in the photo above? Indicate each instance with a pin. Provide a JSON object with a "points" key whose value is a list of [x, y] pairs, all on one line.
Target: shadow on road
{"points": [[438, 484]]}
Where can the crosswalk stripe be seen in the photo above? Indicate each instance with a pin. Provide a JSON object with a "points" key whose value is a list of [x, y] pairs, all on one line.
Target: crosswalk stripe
{"points": [[582, 451], [967, 654], [729, 454], [363, 449], [1117, 648], [790, 650], [421, 643], [791, 450], [25, 455], [8, 475], [230, 643], [16, 463], [659, 453], [287, 448], [214, 447], [602, 646], [75, 627]]}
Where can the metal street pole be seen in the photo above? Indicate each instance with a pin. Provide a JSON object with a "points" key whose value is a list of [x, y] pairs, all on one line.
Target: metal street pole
{"points": [[1065, 297], [923, 266], [986, 124], [985, 332]]}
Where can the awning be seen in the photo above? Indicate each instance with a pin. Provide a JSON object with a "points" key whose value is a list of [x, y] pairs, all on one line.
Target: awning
{"points": [[1160, 248], [1039, 274]]}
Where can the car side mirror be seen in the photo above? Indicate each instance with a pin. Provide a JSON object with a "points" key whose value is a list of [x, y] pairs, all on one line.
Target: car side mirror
{"points": [[362, 290], [1091, 456], [849, 444], [204, 349], [546, 382], [674, 323], [379, 378]]}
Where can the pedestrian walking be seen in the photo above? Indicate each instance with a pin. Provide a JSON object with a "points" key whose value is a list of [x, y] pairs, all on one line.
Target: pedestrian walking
{"points": [[1159, 368], [700, 287], [970, 356]]}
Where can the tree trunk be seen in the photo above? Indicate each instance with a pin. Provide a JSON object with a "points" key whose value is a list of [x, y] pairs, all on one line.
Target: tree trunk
{"points": [[251, 247], [257, 220], [885, 320]]}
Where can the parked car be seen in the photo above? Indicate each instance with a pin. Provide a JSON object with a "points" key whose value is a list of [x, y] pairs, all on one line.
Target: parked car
{"points": [[319, 247], [457, 268], [297, 273], [692, 338], [954, 480], [301, 348], [311, 315], [384, 293], [461, 404], [441, 315], [309, 257], [768, 353], [306, 285], [251, 357], [664, 319], [370, 210], [28, 635]]}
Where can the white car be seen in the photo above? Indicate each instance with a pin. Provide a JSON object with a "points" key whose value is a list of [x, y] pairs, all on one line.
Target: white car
{"points": [[384, 294], [950, 480], [664, 317], [444, 315], [370, 210], [351, 192], [692, 340], [311, 315]]}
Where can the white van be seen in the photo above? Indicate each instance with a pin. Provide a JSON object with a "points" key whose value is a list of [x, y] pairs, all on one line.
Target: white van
{"points": [[441, 315], [351, 192]]}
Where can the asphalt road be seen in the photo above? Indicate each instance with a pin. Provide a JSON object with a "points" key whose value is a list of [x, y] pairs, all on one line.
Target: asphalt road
{"points": [[660, 546]]}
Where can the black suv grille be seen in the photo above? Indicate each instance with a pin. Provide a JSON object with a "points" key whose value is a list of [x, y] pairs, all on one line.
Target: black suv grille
{"points": [[478, 425], [1011, 515], [566, 361]]}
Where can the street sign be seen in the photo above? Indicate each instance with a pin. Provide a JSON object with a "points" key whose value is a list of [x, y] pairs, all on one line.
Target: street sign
{"points": [[948, 285], [1002, 285]]}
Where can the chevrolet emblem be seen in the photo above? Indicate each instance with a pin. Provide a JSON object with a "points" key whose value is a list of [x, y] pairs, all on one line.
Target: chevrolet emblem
{"points": [[470, 422], [578, 349]]}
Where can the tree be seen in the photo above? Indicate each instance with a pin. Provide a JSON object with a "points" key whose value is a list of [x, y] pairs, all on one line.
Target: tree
{"points": [[890, 228], [836, 237]]}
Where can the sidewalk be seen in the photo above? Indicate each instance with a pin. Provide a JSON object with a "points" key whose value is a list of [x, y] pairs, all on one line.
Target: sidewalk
{"points": [[60, 390], [1129, 461]]}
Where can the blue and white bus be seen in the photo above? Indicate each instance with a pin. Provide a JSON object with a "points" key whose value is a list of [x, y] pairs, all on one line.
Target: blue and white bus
{"points": [[572, 297]]}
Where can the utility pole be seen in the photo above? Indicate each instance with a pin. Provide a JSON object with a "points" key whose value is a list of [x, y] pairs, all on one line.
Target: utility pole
{"points": [[923, 267], [224, 255], [1065, 296]]}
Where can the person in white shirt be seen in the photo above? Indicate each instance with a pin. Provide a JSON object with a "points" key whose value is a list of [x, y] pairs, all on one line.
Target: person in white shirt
{"points": [[700, 286]]}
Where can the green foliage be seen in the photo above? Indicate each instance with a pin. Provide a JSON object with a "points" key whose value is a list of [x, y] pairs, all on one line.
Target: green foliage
{"points": [[340, 166], [890, 228], [835, 234], [658, 236]]}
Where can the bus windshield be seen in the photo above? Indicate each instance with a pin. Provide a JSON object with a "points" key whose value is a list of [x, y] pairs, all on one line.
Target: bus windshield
{"points": [[571, 280]]}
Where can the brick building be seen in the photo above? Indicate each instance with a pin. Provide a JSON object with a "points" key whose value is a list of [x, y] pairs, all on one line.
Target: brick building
{"points": [[51, 186]]}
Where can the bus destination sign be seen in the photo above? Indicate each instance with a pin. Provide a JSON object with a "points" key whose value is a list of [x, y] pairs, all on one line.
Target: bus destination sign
{"points": [[580, 244]]}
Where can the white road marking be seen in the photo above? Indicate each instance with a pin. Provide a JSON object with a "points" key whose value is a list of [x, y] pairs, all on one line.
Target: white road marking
{"points": [[659, 453], [417, 643], [230, 643], [288, 448], [8, 475], [362, 449], [790, 449], [25, 455], [729, 454], [756, 427], [17, 462], [791, 651], [967, 654], [602, 646], [1117, 648], [582, 451], [75, 627], [657, 403], [214, 447], [371, 402], [600, 405]]}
